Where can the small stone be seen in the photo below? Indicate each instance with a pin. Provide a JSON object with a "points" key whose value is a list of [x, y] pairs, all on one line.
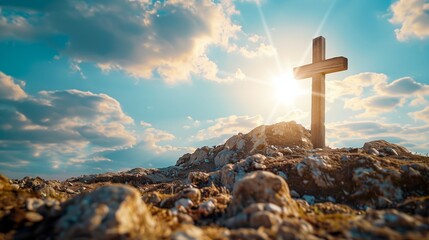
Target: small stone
{"points": [[185, 202], [282, 174], [309, 198], [33, 217], [373, 151], [68, 190], [295, 194], [206, 208], [264, 219], [391, 151], [287, 151], [258, 166], [33, 204], [239, 220], [193, 194], [331, 199]]}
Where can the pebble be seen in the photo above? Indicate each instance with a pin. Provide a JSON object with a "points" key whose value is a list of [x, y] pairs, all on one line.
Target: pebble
{"points": [[33, 204], [309, 198], [184, 202], [33, 217], [68, 190], [193, 194], [373, 151], [294, 194], [206, 208]]}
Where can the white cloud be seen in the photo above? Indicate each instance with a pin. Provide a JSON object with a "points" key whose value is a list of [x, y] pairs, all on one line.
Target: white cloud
{"points": [[374, 105], [402, 86], [230, 125], [413, 18], [262, 50], [356, 133], [373, 93], [55, 126], [152, 137], [145, 124], [9, 89], [353, 85], [422, 114], [168, 38]]}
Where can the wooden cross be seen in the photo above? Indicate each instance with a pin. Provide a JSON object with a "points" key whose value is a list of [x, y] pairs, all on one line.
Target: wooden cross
{"points": [[317, 71]]}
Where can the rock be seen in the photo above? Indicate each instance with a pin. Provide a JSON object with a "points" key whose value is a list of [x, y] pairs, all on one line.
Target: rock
{"points": [[68, 190], [390, 151], [284, 134], [198, 178], [294, 194], [416, 205], [316, 166], [206, 208], [236, 142], [386, 147], [33, 204], [375, 184], [152, 198], [309, 198], [295, 228], [33, 217], [248, 233], [184, 202], [198, 156], [227, 176], [373, 151], [109, 212], [188, 232], [264, 219], [224, 157], [193, 194], [183, 160], [261, 187]]}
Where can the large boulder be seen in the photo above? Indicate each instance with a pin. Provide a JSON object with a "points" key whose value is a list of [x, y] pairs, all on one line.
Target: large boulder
{"points": [[385, 147], [262, 187], [109, 212], [270, 140]]}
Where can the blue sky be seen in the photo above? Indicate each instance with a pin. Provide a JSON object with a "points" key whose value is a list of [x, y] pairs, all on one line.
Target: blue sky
{"points": [[108, 85]]}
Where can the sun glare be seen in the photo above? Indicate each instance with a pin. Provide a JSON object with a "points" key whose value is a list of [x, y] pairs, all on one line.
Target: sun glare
{"points": [[287, 88]]}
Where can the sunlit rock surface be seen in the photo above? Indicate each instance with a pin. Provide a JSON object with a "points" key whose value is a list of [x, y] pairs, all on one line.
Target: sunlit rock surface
{"points": [[266, 184]]}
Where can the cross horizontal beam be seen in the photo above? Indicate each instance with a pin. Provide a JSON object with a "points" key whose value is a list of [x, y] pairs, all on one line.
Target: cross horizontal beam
{"points": [[323, 67]]}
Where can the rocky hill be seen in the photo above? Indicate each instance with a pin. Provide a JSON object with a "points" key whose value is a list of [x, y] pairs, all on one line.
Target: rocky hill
{"points": [[267, 184]]}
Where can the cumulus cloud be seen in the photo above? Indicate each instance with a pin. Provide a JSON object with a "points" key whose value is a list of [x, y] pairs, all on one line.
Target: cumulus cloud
{"points": [[401, 86], [356, 133], [230, 125], [374, 105], [373, 93], [413, 18], [9, 89], [153, 136], [353, 85], [142, 38], [421, 115], [53, 127]]}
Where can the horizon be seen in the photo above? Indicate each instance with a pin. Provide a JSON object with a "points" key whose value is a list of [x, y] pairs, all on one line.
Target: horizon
{"points": [[109, 86]]}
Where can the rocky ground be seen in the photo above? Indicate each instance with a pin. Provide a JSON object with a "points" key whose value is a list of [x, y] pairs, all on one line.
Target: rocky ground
{"points": [[267, 184]]}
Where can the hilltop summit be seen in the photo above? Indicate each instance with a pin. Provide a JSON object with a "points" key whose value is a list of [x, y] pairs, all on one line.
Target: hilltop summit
{"points": [[266, 184]]}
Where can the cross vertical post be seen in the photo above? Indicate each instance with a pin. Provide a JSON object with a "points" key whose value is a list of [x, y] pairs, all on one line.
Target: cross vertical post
{"points": [[318, 97], [317, 71]]}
